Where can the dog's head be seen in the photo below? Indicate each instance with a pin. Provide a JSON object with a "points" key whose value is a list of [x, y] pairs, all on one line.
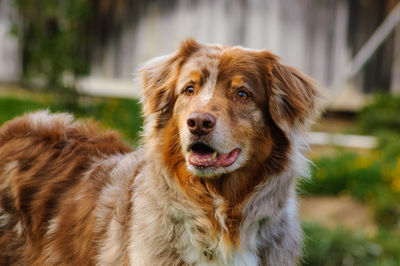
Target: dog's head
{"points": [[218, 109]]}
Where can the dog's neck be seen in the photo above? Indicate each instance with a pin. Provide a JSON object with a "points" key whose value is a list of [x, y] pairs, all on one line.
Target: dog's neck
{"points": [[221, 199]]}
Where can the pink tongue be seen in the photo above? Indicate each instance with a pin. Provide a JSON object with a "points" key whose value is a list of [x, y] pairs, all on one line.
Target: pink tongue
{"points": [[206, 160]]}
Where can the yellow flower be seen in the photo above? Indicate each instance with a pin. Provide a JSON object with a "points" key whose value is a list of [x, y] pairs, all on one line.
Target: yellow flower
{"points": [[363, 162], [396, 184]]}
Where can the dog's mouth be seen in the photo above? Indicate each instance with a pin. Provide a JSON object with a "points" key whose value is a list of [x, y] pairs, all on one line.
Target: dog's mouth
{"points": [[203, 155]]}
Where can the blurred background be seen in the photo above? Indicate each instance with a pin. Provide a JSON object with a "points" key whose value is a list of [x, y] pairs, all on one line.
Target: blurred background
{"points": [[80, 56]]}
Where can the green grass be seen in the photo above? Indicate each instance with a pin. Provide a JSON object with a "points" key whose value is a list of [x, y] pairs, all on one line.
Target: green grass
{"points": [[341, 247], [11, 107], [381, 115]]}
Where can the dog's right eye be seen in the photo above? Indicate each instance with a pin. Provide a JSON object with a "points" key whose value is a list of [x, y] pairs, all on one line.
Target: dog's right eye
{"points": [[189, 91], [242, 96]]}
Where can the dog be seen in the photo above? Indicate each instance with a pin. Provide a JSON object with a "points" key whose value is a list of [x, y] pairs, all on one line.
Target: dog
{"points": [[212, 182]]}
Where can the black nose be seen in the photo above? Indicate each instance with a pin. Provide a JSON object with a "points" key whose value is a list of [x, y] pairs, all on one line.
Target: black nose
{"points": [[201, 123]]}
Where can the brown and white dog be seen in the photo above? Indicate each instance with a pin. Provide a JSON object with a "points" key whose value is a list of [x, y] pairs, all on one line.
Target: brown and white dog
{"points": [[212, 184]]}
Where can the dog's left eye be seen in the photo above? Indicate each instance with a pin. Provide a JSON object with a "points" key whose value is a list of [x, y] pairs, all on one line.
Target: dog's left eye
{"points": [[189, 91], [242, 95]]}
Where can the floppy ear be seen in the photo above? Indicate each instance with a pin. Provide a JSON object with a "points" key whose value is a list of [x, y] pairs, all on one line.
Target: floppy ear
{"points": [[292, 97], [159, 77]]}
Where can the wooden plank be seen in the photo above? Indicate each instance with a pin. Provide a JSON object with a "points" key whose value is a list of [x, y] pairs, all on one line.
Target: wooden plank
{"points": [[395, 82], [343, 140]]}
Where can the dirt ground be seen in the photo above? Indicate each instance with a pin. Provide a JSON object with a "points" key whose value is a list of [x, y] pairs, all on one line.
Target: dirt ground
{"points": [[337, 211]]}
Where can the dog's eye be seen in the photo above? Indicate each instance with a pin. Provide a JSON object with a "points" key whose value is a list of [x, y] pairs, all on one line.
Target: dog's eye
{"points": [[189, 91], [242, 96]]}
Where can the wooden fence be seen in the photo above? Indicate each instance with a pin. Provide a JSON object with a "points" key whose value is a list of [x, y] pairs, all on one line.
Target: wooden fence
{"points": [[308, 34]]}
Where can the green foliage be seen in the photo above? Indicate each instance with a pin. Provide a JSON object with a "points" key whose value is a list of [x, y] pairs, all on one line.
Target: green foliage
{"points": [[368, 178], [337, 247], [345, 173], [325, 247], [120, 114], [390, 145], [59, 38], [382, 115], [386, 207], [55, 38]]}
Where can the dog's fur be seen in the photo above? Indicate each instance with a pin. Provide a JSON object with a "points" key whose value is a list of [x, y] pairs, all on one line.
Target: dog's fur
{"points": [[73, 195]]}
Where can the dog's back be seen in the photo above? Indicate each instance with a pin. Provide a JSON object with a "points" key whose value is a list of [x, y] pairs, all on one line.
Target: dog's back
{"points": [[44, 159]]}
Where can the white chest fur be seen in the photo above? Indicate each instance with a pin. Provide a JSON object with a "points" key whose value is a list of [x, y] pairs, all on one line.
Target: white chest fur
{"points": [[197, 256]]}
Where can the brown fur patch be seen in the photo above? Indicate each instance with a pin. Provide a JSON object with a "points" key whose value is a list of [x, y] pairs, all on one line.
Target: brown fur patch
{"points": [[51, 162]]}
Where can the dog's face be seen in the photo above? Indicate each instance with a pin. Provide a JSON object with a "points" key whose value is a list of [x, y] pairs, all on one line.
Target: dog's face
{"points": [[219, 110], [224, 108]]}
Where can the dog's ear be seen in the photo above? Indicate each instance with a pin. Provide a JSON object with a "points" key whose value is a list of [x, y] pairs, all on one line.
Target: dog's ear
{"points": [[159, 77], [292, 95]]}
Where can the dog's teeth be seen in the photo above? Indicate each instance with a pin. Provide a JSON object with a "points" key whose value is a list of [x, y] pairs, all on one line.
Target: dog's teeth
{"points": [[191, 152], [209, 159], [214, 155]]}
